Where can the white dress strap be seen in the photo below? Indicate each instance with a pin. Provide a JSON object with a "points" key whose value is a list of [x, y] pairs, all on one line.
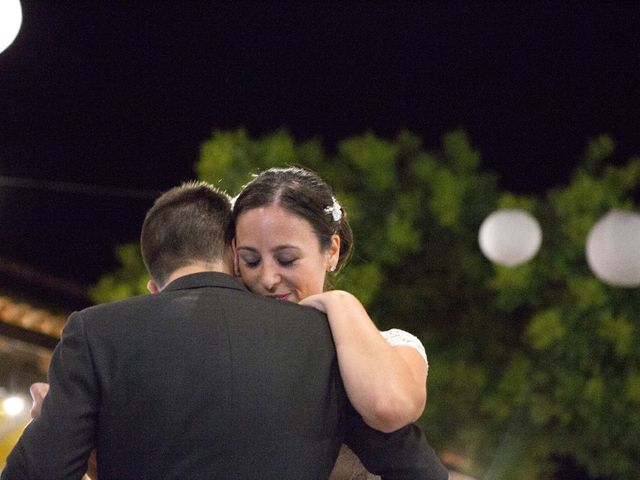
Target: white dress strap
{"points": [[395, 337]]}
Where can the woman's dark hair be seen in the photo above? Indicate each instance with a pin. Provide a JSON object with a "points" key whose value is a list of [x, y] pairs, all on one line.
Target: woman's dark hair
{"points": [[303, 193]]}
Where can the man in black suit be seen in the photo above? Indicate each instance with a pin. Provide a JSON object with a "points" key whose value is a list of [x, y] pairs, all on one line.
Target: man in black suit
{"points": [[202, 380]]}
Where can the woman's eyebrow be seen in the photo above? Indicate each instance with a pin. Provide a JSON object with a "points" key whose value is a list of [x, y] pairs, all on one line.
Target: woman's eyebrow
{"points": [[275, 249], [250, 249], [285, 247]]}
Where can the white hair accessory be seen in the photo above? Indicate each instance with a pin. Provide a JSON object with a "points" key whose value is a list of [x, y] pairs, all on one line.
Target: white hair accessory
{"points": [[335, 210]]}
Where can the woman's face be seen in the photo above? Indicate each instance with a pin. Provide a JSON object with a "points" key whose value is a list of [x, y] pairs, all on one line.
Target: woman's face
{"points": [[279, 255]]}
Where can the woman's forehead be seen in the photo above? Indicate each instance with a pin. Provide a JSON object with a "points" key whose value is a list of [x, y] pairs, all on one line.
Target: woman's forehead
{"points": [[273, 223]]}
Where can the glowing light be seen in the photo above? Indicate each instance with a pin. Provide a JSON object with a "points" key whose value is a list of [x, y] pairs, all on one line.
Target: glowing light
{"points": [[13, 406], [510, 237], [10, 22], [613, 249]]}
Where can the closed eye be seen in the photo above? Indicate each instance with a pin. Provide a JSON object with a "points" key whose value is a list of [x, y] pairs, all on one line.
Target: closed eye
{"points": [[251, 262], [286, 262]]}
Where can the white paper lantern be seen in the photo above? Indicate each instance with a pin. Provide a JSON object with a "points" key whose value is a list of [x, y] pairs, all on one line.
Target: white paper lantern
{"points": [[10, 21], [613, 249], [510, 237]]}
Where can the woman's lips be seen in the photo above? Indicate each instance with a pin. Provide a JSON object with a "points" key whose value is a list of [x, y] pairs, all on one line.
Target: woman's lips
{"points": [[284, 296]]}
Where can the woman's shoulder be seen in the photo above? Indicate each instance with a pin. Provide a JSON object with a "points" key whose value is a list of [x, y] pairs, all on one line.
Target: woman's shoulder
{"points": [[396, 337]]}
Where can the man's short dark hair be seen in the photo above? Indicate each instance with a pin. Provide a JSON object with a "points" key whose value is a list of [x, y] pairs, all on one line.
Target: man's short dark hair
{"points": [[186, 225]]}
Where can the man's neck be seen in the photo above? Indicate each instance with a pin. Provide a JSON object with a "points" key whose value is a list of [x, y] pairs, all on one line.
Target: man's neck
{"points": [[219, 267]]}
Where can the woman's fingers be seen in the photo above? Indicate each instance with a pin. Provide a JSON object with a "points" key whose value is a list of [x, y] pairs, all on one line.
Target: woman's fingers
{"points": [[38, 392]]}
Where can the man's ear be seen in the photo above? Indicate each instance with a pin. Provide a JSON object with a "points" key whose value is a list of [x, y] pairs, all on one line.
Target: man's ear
{"points": [[152, 286]]}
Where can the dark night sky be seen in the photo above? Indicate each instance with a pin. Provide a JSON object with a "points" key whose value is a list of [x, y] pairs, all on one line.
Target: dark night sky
{"points": [[120, 97]]}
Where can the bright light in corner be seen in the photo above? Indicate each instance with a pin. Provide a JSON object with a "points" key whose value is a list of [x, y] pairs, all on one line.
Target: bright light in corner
{"points": [[13, 405], [10, 21]]}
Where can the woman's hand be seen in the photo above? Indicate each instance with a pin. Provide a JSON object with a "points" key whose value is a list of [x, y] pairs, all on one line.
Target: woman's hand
{"points": [[38, 392], [318, 301]]}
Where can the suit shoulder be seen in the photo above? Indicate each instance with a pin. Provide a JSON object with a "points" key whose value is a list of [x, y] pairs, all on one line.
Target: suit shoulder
{"points": [[127, 304], [282, 307]]}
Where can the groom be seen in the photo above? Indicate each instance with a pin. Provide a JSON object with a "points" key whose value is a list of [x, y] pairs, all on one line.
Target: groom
{"points": [[202, 380]]}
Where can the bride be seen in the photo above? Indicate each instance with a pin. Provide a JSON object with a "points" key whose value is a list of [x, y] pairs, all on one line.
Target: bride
{"points": [[290, 233]]}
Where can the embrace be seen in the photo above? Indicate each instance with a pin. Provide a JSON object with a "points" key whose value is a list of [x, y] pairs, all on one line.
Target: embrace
{"points": [[241, 365]]}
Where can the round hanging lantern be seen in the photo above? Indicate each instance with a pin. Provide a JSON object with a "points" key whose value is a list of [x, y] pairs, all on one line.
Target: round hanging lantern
{"points": [[10, 21], [510, 237], [613, 249]]}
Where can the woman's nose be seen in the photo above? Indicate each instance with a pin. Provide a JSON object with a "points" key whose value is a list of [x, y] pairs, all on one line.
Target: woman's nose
{"points": [[270, 278]]}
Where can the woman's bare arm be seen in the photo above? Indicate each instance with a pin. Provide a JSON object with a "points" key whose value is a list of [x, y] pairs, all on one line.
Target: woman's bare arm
{"points": [[386, 384]]}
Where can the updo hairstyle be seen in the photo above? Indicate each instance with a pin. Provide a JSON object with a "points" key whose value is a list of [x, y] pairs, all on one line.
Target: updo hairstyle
{"points": [[302, 193]]}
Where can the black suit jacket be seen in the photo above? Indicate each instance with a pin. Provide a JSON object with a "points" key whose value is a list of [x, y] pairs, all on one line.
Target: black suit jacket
{"points": [[203, 381]]}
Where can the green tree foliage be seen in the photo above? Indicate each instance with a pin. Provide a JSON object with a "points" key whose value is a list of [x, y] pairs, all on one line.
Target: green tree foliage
{"points": [[128, 280], [579, 351], [528, 365]]}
